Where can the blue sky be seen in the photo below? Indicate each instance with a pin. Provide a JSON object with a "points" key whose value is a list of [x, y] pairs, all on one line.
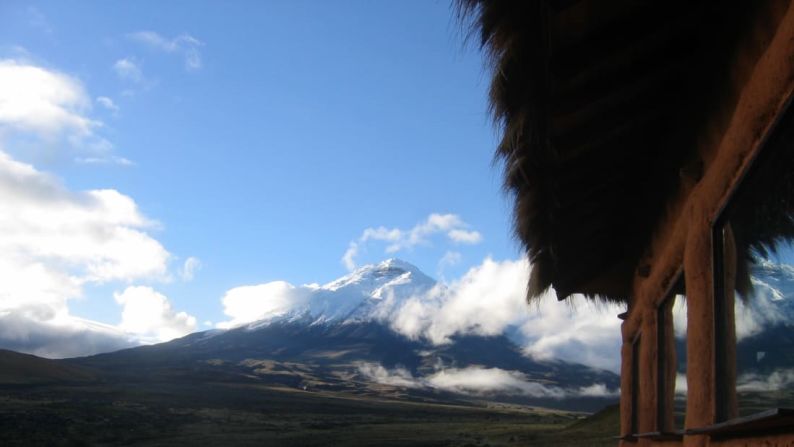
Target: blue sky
{"points": [[266, 137], [158, 157]]}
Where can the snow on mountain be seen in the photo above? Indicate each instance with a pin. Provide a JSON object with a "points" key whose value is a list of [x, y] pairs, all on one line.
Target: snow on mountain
{"points": [[368, 293], [773, 282], [771, 302], [376, 292]]}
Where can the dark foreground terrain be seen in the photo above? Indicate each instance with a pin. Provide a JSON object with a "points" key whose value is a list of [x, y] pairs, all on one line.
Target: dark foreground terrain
{"points": [[210, 413]]}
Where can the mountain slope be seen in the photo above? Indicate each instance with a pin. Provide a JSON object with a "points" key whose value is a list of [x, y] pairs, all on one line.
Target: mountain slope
{"points": [[18, 368]]}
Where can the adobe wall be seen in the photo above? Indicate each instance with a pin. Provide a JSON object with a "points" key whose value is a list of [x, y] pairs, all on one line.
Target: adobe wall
{"points": [[764, 82]]}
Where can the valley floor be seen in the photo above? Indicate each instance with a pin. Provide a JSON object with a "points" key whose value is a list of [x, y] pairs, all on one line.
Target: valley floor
{"points": [[211, 414]]}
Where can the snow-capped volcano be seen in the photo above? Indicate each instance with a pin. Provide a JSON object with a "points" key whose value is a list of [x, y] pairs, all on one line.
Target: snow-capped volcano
{"points": [[344, 336], [376, 280], [366, 294]]}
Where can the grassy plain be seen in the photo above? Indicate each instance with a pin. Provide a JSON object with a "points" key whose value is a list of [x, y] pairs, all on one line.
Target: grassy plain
{"points": [[158, 413]]}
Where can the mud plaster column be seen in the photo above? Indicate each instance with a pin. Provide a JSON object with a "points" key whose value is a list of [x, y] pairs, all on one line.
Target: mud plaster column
{"points": [[700, 326], [625, 387], [647, 372]]}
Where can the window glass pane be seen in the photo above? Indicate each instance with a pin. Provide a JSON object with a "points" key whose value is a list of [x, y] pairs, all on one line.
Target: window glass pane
{"points": [[765, 337], [754, 283], [679, 385]]}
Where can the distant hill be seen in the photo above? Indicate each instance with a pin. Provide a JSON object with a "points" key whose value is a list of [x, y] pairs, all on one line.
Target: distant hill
{"points": [[17, 368]]}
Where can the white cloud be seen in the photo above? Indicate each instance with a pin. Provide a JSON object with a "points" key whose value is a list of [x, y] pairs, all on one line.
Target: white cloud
{"points": [[485, 301], [128, 70], [107, 103], [465, 237], [29, 331], [450, 258], [680, 384], [598, 390], [761, 309], [97, 235], [51, 107], [54, 243], [107, 160], [450, 225], [751, 316], [491, 298], [43, 102], [348, 259], [780, 379], [395, 377], [581, 331], [149, 316], [184, 44], [250, 303], [189, 268], [479, 381]]}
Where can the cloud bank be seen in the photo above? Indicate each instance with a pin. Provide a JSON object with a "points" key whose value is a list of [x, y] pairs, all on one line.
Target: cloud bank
{"points": [[488, 300], [26, 329], [54, 243], [479, 381], [780, 379]]}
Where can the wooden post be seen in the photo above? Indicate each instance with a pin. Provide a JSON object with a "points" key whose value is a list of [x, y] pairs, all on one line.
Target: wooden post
{"points": [[626, 389], [700, 327], [647, 372]]}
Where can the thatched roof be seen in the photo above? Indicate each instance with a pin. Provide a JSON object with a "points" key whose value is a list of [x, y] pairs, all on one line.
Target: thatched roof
{"points": [[600, 104]]}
